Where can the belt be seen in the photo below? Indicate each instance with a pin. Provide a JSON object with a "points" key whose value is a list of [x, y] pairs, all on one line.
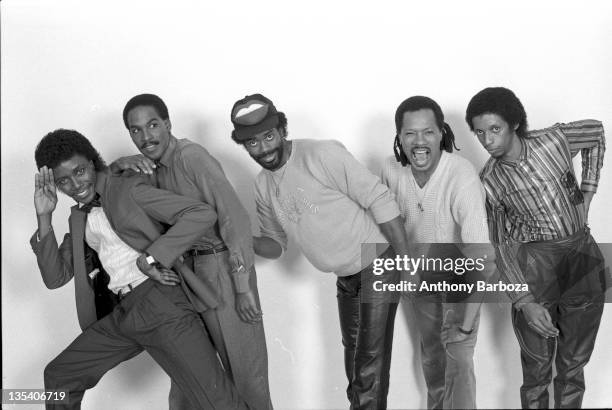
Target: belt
{"points": [[124, 291], [208, 251]]}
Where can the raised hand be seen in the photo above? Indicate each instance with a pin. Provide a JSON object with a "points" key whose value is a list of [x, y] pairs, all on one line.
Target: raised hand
{"points": [[45, 195]]}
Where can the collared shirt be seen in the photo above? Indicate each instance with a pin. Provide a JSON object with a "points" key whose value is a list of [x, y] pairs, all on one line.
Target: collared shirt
{"points": [[537, 197], [187, 168], [118, 259]]}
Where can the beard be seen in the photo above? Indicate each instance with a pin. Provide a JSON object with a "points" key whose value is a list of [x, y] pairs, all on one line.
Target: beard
{"points": [[270, 166]]}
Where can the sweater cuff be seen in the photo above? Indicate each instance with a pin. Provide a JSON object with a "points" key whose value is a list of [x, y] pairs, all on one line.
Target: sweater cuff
{"points": [[385, 212]]}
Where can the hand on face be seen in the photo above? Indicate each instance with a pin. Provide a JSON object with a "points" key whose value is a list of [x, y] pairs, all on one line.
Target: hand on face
{"points": [[45, 194]]}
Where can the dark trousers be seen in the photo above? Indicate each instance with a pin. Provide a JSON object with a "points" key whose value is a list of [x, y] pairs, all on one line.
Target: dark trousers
{"points": [[160, 320], [240, 345], [567, 277], [366, 322]]}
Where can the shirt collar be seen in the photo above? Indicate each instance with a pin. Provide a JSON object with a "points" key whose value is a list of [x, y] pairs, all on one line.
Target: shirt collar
{"points": [[166, 157], [525, 150]]}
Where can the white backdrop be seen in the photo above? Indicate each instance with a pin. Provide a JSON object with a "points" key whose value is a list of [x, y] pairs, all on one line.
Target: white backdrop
{"points": [[338, 70]]}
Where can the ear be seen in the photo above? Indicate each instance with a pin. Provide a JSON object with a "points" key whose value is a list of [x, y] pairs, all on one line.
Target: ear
{"points": [[168, 124]]}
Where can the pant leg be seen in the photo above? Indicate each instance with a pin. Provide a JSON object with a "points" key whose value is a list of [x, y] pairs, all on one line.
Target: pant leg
{"points": [[459, 379], [374, 339], [348, 310], [580, 312], [578, 325], [429, 320], [240, 345], [536, 359], [166, 324], [80, 366]]}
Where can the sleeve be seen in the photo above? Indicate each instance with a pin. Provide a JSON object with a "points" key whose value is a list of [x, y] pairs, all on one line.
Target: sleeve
{"points": [[268, 224], [469, 211], [187, 217], [505, 251], [586, 136], [350, 177], [234, 221], [385, 174], [54, 263]]}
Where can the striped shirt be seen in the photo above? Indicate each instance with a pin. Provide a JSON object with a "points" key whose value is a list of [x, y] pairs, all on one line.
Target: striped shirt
{"points": [[537, 197]]}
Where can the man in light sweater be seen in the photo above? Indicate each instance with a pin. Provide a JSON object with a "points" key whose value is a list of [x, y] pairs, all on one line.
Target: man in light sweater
{"points": [[442, 201], [317, 194]]}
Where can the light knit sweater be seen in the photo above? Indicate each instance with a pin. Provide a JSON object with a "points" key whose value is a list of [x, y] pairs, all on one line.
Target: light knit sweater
{"points": [[322, 199], [450, 208]]}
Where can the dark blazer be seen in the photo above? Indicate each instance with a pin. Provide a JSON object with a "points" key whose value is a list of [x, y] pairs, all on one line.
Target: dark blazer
{"points": [[139, 213]]}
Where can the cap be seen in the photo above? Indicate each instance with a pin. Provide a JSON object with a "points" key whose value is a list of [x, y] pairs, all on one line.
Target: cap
{"points": [[251, 115]]}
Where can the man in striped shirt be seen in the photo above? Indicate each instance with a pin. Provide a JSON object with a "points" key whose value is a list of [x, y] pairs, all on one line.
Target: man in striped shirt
{"points": [[538, 223]]}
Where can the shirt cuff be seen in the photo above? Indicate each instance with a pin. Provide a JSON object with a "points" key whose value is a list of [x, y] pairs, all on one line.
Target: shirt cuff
{"points": [[521, 299], [588, 186], [240, 277], [160, 256]]}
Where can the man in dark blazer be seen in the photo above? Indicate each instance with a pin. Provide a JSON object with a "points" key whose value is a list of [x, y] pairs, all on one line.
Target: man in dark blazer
{"points": [[117, 222]]}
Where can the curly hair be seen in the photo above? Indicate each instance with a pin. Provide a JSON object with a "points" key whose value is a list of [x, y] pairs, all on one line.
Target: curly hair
{"points": [[281, 127], [147, 100], [500, 101], [61, 145]]}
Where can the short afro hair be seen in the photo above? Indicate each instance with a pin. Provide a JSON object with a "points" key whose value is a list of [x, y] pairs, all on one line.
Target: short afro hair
{"points": [[146, 100], [61, 145], [500, 101]]}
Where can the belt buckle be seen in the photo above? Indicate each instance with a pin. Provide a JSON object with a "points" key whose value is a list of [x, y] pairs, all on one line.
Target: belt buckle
{"points": [[123, 292]]}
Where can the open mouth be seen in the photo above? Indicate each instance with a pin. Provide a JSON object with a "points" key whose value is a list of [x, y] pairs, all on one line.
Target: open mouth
{"points": [[420, 156], [82, 194], [268, 158]]}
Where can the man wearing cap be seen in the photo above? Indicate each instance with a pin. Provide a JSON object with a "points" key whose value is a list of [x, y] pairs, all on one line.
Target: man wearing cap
{"points": [[223, 256], [316, 193]]}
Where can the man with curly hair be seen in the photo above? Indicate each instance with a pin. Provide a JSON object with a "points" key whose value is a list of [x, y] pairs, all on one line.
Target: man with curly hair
{"points": [[125, 304], [537, 218]]}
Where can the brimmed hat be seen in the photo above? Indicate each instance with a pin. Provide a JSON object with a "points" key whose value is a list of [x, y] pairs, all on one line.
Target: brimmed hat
{"points": [[251, 115]]}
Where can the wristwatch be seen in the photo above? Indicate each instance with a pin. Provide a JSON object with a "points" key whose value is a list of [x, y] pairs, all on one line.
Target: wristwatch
{"points": [[150, 260]]}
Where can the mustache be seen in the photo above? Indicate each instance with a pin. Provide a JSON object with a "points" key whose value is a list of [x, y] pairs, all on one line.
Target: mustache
{"points": [[265, 154], [149, 143]]}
